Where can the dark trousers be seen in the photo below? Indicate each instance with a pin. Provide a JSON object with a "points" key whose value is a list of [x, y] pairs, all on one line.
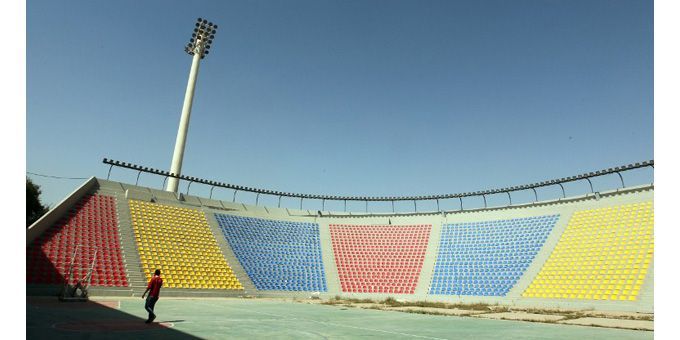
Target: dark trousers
{"points": [[150, 303]]}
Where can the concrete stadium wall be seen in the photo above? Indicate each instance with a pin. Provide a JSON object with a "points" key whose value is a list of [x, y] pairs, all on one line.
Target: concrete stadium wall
{"points": [[61, 209], [564, 207]]}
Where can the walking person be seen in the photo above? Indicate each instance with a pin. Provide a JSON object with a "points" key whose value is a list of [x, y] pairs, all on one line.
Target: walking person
{"points": [[153, 289]]}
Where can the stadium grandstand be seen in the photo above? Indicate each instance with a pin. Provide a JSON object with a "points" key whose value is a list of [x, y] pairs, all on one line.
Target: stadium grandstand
{"points": [[589, 251], [237, 263]]}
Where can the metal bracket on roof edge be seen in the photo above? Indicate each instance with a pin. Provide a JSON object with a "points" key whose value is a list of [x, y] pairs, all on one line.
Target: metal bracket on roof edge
{"points": [[564, 195], [109, 174], [164, 181], [623, 185]]}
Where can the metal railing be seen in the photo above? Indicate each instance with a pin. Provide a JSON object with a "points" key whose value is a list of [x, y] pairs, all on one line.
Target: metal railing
{"points": [[437, 198]]}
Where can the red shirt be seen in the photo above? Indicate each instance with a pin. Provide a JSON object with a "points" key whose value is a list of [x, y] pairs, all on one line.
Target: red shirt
{"points": [[155, 285]]}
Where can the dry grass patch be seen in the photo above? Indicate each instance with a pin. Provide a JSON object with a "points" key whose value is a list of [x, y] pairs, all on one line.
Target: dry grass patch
{"points": [[430, 308]]}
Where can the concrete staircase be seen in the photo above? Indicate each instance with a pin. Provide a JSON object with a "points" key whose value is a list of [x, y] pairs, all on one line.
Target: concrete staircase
{"points": [[432, 250], [133, 268], [327, 255]]}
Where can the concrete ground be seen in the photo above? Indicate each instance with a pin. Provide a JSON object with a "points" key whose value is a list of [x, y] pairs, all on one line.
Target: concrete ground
{"points": [[612, 323], [276, 319]]}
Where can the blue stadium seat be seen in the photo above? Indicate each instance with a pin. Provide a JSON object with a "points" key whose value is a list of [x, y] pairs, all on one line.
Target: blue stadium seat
{"points": [[487, 258], [276, 255]]}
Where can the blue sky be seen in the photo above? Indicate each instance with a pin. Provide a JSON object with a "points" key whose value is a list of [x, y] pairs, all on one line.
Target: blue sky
{"points": [[342, 97]]}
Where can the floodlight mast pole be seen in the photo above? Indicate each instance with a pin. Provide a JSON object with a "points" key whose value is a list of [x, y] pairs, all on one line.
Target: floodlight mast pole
{"points": [[180, 143], [198, 48]]}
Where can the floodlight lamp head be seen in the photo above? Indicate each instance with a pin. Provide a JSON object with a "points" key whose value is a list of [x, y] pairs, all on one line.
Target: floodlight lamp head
{"points": [[201, 38]]}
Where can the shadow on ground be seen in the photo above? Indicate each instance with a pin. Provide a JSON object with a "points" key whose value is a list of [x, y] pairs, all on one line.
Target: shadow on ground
{"points": [[47, 318]]}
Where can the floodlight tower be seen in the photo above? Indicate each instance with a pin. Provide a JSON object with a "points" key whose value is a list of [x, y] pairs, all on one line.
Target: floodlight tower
{"points": [[198, 47]]}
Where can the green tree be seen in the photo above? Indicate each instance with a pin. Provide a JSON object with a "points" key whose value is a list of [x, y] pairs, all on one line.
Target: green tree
{"points": [[34, 209]]}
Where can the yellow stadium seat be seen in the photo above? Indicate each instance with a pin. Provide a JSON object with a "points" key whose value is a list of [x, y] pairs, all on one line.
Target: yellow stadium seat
{"points": [[602, 250], [181, 239]]}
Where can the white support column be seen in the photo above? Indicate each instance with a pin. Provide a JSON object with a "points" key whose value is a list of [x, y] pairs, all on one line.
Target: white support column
{"points": [[178, 155]]}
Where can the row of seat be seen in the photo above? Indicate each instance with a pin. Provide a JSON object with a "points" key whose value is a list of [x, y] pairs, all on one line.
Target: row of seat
{"points": [[494, 254], [379, 259], [276, 255], [603, 253], [615, 256], [86, 237], [194, 248]]}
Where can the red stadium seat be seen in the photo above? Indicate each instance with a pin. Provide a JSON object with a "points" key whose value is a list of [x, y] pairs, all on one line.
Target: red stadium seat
{"points": [[372, 258], [92, 221]]}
